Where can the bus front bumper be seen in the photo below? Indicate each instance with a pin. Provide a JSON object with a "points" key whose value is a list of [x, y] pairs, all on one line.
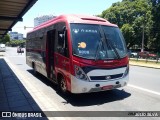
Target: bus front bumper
{"points": [[81, 86]]}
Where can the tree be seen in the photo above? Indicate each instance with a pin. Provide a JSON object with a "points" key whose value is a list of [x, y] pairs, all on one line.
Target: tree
{"points": [[133, 17], [14, 43], [129, 34], [156, 25], [0, 40], [5, 39]]}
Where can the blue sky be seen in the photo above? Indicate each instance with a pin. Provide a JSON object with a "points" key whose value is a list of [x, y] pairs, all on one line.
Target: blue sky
{"points": [[58, 7]]}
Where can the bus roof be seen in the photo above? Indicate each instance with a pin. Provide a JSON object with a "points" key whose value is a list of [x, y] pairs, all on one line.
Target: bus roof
{"points": [[73, 18]]}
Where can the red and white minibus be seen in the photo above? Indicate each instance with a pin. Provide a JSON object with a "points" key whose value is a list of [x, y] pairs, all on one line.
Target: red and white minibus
{"points": [[80, 53]]}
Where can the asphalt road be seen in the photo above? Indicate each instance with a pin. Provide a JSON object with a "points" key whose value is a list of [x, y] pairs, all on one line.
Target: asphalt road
{"points": [[147, 78], [142, 93]]}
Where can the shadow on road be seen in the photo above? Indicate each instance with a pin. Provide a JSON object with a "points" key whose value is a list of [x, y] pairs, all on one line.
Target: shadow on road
{"points": [[87, 99], [13, 94], [43, 79], [98, 98]]}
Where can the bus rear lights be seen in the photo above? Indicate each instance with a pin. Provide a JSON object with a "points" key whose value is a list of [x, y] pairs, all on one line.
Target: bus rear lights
{"points": [[79, 73]]}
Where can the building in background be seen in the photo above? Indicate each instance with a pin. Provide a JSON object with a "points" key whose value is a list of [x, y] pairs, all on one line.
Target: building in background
{"points": [[20, 36], [42, 19], [16, 36]]}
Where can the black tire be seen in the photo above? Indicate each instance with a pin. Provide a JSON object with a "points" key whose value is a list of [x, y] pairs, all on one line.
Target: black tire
{"points": [[62, 85], [34, 69]]}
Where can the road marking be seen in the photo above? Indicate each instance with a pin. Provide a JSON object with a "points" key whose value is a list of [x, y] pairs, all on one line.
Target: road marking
{"points": [[144, 89]]}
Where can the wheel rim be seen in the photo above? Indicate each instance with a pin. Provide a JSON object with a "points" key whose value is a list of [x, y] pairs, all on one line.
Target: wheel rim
{"points": [[63, 85]]}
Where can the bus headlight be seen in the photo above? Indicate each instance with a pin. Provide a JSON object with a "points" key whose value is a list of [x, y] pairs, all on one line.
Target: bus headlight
{"points": [[79, 73], [126, 72]]}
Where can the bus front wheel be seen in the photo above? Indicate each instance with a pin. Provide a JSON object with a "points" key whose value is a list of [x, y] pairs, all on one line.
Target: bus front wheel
{"points": [[34, 69], [62, 85]]}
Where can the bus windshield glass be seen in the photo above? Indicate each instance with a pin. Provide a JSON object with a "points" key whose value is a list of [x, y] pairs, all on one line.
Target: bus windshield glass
{"points": [[97, 42]]}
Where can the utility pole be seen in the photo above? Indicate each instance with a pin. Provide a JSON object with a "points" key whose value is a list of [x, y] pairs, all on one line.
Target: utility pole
{"points": [[142, 49]]}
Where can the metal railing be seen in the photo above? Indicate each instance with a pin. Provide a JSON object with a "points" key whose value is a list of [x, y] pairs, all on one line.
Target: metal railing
{"points": [[146, 58]]}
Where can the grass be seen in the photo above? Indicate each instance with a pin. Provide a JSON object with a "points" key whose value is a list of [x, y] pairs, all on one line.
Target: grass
{"points": [[144, 63], [2, 53]]}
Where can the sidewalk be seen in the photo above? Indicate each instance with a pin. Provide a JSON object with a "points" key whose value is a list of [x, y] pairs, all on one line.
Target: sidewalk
{"points": [[13, 95], [20, 91]]}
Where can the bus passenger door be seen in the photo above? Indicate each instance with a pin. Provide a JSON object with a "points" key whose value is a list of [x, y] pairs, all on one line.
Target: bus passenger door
{"points": [[62, 61], [50, 47]]}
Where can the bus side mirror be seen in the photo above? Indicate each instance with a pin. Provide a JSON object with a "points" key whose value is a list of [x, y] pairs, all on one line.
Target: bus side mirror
{"points": [[64, 29], [60, 39]]}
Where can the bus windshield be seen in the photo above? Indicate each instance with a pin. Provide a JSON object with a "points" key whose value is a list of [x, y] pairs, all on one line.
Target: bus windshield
{"points": [[97, 42]]}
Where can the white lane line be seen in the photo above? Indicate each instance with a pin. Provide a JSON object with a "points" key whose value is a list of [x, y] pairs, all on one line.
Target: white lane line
{"points": [[144, 89]]}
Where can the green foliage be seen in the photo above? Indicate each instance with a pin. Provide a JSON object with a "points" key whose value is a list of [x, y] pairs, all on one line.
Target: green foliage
{"points": [[14, 43], [5, 39], [156, 25], [129, 34], [134, 16]]}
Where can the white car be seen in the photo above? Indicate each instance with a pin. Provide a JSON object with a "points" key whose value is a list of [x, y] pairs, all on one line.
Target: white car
{"points": [[2, 47], [134, 54]]}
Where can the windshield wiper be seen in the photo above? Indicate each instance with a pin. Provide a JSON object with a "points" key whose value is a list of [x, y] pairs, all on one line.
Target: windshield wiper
{"points": [[98, 47], [97, 50], [111, 45]]}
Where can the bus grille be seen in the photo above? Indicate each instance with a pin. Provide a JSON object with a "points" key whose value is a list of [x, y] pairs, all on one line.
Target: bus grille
{"points": [[107, 77]]}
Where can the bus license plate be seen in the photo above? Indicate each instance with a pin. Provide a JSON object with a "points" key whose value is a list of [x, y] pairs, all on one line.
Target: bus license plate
{"points": [[107, 87]]}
